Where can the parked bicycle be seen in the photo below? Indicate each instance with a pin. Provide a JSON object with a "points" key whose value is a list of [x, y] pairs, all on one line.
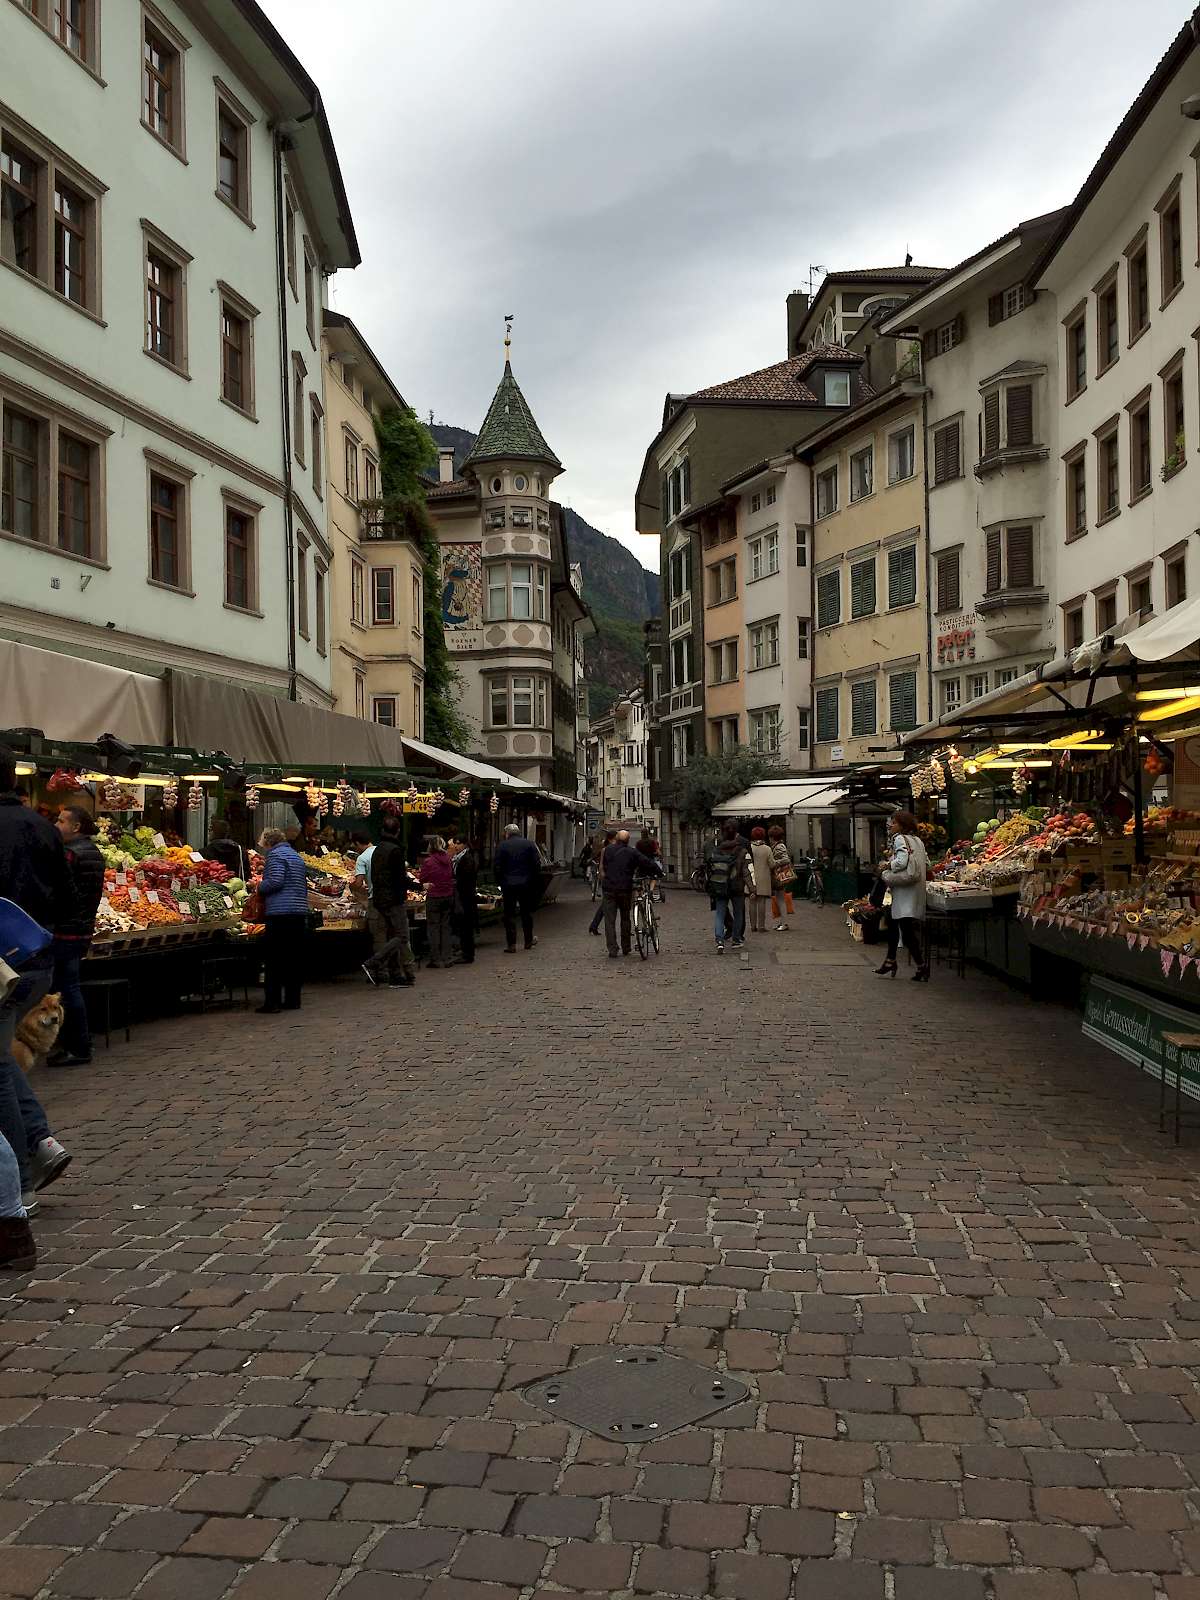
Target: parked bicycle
{"points": [[593, 878], [645, 918], [815, 887]]}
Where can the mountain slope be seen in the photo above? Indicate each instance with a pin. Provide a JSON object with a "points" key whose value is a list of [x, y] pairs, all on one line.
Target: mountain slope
{"points": [[620, 591]]}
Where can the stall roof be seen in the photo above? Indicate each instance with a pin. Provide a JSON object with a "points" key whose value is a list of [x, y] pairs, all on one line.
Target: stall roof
{"points": [[774, 797], [1162, 637], [464, 765]]}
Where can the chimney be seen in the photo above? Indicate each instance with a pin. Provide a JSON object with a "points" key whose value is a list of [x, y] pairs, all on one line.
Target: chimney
{"points": [[797, 305], [445, 463]]}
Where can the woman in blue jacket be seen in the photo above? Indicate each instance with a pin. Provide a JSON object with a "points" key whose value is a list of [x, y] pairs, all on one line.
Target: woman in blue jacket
{"points": [[284, 889]]}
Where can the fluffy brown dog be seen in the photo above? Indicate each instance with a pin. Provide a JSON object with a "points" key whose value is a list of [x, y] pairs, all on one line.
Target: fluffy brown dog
{"points": [[37, 1032]]}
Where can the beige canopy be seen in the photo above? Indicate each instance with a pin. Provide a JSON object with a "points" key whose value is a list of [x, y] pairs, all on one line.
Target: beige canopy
{"points": [[76, 700]]}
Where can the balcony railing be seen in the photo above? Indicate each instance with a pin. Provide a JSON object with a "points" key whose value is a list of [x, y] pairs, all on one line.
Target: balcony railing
{"points": [[383, 520]]}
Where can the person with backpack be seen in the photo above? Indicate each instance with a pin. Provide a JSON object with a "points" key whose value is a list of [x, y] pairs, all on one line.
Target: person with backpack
{"points": [[387, 912], [726, 866]]}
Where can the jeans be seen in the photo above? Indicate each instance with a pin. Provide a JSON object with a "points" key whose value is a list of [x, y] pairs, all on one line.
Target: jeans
{"points": [[74, 1035], [735, 905], [519, 898], [618, 901], [283, 960], [22, 1120], [10, 1182], [437, 925], [389, 930], [911, 930]]}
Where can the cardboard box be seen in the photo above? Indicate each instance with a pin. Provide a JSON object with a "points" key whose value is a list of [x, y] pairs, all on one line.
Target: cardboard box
{"points": [[1117, 852]]}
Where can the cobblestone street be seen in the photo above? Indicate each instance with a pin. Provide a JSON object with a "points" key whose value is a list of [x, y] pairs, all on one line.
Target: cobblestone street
{"points": [[303, 1265]]}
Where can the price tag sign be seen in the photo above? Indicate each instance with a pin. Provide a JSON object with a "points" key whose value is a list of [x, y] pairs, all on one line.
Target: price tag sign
{"points": [[322, 850], [139, 877], [134, 896], [196, 856], [160, 841], [121, 877], [227, 901], [175, 885], [152, 896]]}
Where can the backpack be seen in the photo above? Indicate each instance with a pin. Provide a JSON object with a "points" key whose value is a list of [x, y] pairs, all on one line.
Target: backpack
{"points": [[725, 871]]}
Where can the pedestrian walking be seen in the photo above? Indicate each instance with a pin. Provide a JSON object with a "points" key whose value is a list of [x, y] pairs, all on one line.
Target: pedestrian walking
{"points": [[387, 913], [518, 868], [284, 889], [465, 860], [598, 915], [727, 868], [436, 873], [621, 865], [783, 876], [76, 827], [759, 884], [905, 872]]}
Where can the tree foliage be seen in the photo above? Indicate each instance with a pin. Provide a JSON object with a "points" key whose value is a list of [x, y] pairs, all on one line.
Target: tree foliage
{"points": [[710, 779], [406, 449]]}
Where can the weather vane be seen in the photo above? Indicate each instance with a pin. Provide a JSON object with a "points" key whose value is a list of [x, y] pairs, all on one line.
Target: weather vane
{"points": [[508, 322]]}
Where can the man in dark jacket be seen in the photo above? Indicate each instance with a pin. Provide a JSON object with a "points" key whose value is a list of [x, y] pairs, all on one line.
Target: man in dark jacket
{"points": [[726, 863], [518, 868], [34, 874], [466, 897], [72, 938], [623, 865], [387, 914]]}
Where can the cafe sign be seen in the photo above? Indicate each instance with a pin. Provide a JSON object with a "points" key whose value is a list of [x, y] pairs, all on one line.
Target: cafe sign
{"points": [[1132, 1024], [956, 641]]}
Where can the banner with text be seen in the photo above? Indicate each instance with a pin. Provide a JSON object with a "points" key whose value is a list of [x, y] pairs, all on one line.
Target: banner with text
{"points": [[1132, 1023]]}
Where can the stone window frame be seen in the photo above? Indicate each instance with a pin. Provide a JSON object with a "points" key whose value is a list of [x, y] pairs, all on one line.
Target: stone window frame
{"points": [[53, 165], [160, 466], [54, 419]]}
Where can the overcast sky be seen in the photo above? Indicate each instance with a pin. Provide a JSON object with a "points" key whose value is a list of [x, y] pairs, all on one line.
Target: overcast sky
{"points": [[642, 182]]}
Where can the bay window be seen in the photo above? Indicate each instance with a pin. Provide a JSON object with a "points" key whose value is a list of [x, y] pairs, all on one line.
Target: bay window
{"points": [[518, 700], [516, 591]]}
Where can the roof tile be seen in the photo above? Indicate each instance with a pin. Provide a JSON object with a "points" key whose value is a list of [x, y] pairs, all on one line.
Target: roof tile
{"points": [[783, 381], [509, 429]]}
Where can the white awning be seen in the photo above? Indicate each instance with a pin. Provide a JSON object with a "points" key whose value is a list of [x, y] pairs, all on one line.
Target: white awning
{"points": [[1165, 636], [464, 766], [784, 797]]}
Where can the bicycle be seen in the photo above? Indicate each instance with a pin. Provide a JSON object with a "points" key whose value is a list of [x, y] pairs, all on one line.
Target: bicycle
{"points": [[814, 890], [593, 878], [645, 919]]}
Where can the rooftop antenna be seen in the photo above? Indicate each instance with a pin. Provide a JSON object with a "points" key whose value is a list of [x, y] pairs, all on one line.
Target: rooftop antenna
{"points": [[908, 258], [508, 322], [431, 416], [813, 273]]}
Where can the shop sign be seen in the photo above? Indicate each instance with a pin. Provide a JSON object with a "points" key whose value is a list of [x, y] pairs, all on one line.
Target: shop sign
{"points": [[837, 753], [956, 641], [1132, 1023]]}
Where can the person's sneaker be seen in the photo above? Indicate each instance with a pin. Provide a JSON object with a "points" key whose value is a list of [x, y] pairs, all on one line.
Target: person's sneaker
{"points": [[67, 1058], [47, 1161], [18, 1252], [739, 944], [720, 948], [30, 1201], [531, 943], [510, 949], [368, 974]]}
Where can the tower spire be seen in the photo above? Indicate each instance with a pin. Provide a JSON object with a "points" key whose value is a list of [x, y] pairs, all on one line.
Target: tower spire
{"points": [[508, 322]]}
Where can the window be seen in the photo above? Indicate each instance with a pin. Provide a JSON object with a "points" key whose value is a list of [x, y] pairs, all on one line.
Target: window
{"points": [[418, 602], [1077, 355], [827, 715], [1170, 237], [21, 511], [1005, 675], [764, 556], [360, 695], [76, 478], [162, 85], [1140, 466], [298, 407], [1077, 523], [315, 429], [803, 627], [70, 242], [801, 546], [902, 577], [769, 495], [1072, 627], [681, 573], [1006, 304], [1108, 483], [682, 662], [722, 582], [722, 661], [383, 595], [682, 744], [951, 689], [764, 644], [1010, 562], [516, 591], [862, 588], [168, 551], [863, 715], [518, 701], [358, 583], [862, 473], [946, 337], [370, 476], [1139, 288], [237, 366], [233, 156], [1106, 611], [1176, 580], [947, 452], [20, 179], [239, 559], [902, 701], [383, 710], [290, 239], [302, 591], [902, 455], [764, 731], [829, 599], [827, 492], [350, 452], [803, 730], [1108, 329], [837, 388], [977, 685], [319, 600], [166, 316], [755, 503], [723, 733], [949, 580], [1174, 422], [310, 294], [1139, 595]]}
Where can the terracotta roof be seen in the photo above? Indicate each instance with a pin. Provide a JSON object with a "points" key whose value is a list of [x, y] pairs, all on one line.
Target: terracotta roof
{"points": [[509, 429], [905, 274], [434, 491], [783, 381]]}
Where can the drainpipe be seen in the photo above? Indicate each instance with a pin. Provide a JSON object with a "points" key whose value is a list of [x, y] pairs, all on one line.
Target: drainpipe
{"points": [[930, 713], [282, 143]]}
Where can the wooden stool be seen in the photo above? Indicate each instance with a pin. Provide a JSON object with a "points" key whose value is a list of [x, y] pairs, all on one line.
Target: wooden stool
{"points": [[1181, 1041], [106, 986]]}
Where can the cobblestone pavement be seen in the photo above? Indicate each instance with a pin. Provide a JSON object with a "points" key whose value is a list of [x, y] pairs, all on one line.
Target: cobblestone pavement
{"points": [[303, 1265]]}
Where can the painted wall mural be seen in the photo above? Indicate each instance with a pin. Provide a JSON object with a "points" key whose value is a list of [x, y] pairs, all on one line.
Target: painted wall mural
{"points": [[462, 595]]}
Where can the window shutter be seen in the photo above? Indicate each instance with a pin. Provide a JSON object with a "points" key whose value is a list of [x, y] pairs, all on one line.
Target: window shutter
{"points": [[827, 715], [939, 456], [960, 328], [954, 450], [686, 480], [991, 422], [1020, 415], [862, 589], [929, 345], [829, 599], [948, 586], [903, 697], [862, 706], [902, 576], [665, 503], [995, 309], [993, 560], [1020, 557]]}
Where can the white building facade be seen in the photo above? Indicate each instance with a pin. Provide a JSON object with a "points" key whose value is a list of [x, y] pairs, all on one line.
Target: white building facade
{"points": [[618, 765], [172, 208]]}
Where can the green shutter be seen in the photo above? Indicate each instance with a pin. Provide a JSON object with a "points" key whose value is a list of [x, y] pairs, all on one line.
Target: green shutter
{"points": [[902, 688], [902, 576], [829, 599], [827, 715], [862, 588], [862, 706]]}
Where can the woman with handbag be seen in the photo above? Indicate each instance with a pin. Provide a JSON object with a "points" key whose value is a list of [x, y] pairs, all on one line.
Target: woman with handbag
{"points": [[783, 876], [905, 872], [284, 891]]}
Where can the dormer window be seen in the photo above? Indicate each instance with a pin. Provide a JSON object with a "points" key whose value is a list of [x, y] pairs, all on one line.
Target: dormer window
{"points": [[837, 388]]}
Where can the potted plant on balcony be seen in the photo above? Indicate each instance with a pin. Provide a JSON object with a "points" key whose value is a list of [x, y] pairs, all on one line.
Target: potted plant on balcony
{"points": [[1176, 458]]}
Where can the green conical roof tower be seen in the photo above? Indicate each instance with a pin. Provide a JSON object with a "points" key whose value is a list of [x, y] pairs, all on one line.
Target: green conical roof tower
{"points": [[509, 431]]}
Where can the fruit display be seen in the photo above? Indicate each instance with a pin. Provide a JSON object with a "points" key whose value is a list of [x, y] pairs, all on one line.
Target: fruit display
{"points": [[1161, 819]]}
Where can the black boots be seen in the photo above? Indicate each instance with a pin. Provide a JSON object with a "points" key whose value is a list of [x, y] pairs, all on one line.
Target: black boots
{"points": [[17, 1250]]}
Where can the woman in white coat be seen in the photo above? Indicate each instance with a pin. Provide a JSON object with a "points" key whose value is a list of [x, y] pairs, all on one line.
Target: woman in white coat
{"points": [[905, 872]]}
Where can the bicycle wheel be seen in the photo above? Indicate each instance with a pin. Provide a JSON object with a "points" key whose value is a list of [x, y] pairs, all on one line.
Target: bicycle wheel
{"points": [[595, 880], [816, 889], [653, 921], [640, 936]]}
